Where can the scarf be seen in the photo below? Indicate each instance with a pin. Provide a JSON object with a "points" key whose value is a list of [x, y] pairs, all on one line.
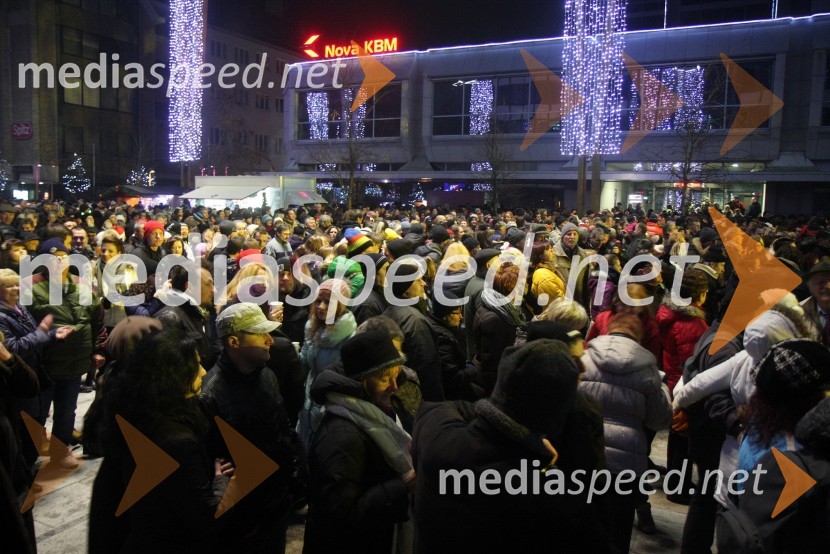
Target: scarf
{"points": [[511, 313], [394, 443]]}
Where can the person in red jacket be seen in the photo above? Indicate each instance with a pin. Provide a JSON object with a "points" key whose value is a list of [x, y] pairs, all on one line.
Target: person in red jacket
{"points": [[680, 328], [651, 333]]}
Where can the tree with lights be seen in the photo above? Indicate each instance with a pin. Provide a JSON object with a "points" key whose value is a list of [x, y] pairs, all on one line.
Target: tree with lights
{"points": [[75, 180], [592, 67], [346, 153], [138, 177]]}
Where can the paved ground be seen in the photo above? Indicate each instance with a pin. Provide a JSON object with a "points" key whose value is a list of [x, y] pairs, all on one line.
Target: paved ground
{"points": [[61, 516]]}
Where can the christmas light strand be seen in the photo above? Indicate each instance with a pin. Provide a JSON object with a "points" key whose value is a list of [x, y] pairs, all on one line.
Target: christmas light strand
{"points": [[317, 105], [592, 66], [186, 57], [75, 180]]}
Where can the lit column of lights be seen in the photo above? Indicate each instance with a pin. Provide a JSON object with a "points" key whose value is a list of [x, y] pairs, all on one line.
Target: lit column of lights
{"points": [[373, 190], [187, 27], [592, 66], [481, 115], [317, 105], [356, 127], [690, 84]]}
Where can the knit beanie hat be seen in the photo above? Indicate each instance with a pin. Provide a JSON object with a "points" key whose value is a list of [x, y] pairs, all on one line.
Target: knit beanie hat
{"points": [[331, 285], [439, 234], [551, 330], [793, 368], [515, 236], [405, 225], [399, 288], [536, 385], [416, 228], [368, 353], [357, 241], [389, 234], [400, 247], [470, 243], [151, 226], [568, 227]]}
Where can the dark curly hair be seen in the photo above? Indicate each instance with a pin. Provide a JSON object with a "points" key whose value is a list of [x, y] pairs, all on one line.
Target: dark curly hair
{"points": [[768, 417], [151, 387]]}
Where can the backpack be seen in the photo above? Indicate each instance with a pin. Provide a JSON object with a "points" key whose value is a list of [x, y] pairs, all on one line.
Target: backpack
{"points": [[750, 529]]}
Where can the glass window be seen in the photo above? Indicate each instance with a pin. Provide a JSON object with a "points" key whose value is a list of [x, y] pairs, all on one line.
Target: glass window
{"points": [[125, 100], [326, 114], [109, 98], [71, 41], [73, 95], [91, 46], [92, 97], [825, 109]]}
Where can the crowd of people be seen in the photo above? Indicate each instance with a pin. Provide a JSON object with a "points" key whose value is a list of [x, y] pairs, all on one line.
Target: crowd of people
{"points": [[364, 406]]}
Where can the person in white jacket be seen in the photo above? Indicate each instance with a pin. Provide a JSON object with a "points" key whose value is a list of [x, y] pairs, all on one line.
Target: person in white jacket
{"points": [[785, 320]]}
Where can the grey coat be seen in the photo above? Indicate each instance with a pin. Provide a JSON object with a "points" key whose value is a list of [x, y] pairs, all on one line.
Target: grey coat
{"points": [[623, 377]]}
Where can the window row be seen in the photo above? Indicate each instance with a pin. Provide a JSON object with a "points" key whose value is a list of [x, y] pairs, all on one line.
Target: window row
{"points": [[327, 114], [106, 142], [104, 7], [262, 143], [120, 98]]}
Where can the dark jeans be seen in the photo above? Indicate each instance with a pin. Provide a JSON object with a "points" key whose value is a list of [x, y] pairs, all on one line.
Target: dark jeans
{"points": [[64, 394], [677, 452], [621, 507], [699, 530]]}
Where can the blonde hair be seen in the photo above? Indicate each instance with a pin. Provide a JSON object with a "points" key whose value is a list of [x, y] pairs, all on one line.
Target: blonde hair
{"points": [[567, 312], [9, 276], [455, 249], [252, 273]]}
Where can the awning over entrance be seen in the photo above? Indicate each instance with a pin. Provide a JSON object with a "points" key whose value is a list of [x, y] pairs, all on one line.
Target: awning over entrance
{"points": [[224, 192], [300, 197]]}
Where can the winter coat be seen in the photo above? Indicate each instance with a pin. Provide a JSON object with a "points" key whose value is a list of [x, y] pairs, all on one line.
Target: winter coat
{"points": [[494, 332], [430, 250], [612, 278], [277, 249], [458, 436], [419, 348], [548, 282], [71, 356], [321, 349], [148, 257], [113, 313], [562, 261], [253, 406], [680, 328], [453, 287], [178, 515], [473, 292], [22, 336], [623, 377], [294, 318], [355, 497], [17, 380], [373, 306], [460, 381], [652, 341]]}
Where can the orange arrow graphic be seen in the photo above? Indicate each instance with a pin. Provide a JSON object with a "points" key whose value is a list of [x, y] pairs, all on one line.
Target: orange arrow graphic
{"points": [[758, 104], [376, 76], [49, 476], [796, 482], [657, 103], [311, 53], [152, 465], [549, 110], [763, 280], [252, 467]]}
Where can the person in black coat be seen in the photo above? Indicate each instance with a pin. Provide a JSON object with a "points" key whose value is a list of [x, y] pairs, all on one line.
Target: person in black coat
{"points": [[157, 394], [513, 429], [294, 317], [361, 469], [419, 347], [460, 380], [375, 304], [244, 393], [151, 252]]}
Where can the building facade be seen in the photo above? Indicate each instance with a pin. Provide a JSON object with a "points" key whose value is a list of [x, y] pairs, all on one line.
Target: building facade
{"points": [[455, 119]]}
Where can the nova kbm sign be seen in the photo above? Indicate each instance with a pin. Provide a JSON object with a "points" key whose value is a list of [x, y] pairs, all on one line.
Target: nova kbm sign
{"points": [[375, 46]]}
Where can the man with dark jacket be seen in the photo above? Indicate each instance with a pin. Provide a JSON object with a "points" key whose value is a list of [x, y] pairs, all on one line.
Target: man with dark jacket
{"points": [[475, 285], [513, 429], [191, 315], [294, 317], [419, 347], [375, 304], [246, 395]]}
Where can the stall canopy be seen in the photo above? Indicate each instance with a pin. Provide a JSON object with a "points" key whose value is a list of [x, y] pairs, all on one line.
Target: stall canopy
{"points": [[224, 192], [299, 197]]}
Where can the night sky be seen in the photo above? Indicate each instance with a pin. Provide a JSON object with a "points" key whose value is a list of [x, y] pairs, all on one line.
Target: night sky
{"points": [[419, 24]]}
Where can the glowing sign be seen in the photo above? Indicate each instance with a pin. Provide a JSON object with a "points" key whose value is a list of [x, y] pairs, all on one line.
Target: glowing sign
{"points": [[350, 48]]}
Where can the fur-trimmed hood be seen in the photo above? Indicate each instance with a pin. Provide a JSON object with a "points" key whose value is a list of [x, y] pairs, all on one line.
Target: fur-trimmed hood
{"points": [[689, 310]]}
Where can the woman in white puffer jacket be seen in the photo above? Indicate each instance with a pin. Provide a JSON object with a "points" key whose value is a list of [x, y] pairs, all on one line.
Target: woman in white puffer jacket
{"points": [[785, 320]]}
